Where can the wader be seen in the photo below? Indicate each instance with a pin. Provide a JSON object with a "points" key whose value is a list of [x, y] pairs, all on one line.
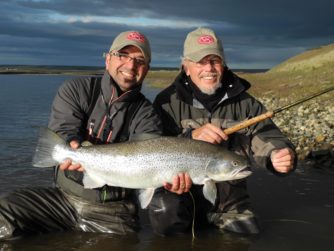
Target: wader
{"points": [[170, 213], [42, 210]]}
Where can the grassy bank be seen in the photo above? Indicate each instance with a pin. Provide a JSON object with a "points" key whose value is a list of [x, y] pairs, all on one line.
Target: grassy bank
{"points": [[160, 78], [299, 76]]}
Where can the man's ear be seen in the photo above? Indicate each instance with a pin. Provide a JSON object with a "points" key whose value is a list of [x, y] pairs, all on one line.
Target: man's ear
{"points": [[185, 68], [107, 61]]}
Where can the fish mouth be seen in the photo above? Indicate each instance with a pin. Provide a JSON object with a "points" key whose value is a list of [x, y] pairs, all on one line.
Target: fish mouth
{"points": [[243, 172]]}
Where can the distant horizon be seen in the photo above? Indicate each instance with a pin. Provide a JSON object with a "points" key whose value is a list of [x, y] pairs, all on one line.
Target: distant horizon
{"points": [[102, 67]]}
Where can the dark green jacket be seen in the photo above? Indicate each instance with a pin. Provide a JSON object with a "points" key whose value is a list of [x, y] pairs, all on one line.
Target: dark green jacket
{"points": [[181, 112]]}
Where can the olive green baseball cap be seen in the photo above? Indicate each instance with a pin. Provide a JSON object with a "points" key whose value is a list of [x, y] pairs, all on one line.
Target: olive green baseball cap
{"points": [[134, 38], [200, 43]]}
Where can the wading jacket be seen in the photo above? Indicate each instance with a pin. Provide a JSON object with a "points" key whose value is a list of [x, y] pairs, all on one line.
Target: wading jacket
{"points": [[90, 109], [181, 112]]}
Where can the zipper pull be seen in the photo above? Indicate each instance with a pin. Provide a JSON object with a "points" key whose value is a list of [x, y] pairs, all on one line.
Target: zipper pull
{"points": [[91, 127]]}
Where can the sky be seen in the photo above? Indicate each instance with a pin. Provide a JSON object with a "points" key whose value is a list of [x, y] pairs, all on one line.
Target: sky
{"points": [[256, 34]]}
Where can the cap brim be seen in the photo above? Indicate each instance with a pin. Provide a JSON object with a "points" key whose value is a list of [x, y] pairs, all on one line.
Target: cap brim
{"points": [[198, 55], [130, 43]]}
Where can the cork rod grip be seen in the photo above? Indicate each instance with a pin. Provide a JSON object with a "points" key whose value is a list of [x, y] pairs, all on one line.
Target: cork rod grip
{"points": [[249, 122]]}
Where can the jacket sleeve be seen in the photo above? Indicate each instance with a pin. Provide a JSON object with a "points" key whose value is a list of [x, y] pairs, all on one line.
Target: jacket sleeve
{"points": [[266, 137], [67, 116]]}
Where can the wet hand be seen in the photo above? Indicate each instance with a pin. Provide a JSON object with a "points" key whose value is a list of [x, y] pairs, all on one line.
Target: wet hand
{"points": [[282, 160], [67, 164], [181, 184], [209, 133]]}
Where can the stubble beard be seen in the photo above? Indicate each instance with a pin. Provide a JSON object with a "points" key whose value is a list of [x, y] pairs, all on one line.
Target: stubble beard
{"points": [[211, 90]]}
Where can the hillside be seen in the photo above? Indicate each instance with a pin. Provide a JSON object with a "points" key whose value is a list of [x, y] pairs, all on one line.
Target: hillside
{"points": [[300, 75], [308, 61]]}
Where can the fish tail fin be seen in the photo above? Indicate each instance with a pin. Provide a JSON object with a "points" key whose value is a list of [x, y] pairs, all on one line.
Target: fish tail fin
{"points": [[45, 146]]}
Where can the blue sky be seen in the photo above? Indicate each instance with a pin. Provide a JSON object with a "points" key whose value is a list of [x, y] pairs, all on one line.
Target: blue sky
{"points": [[255, 34]]}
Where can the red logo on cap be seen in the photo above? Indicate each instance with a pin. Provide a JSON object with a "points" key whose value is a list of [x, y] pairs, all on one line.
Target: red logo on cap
{"points": [[206, 39], [136, 36]]}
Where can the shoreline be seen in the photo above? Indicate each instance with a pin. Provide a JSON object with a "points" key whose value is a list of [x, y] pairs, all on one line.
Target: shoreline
{"points": [[89, 70]]}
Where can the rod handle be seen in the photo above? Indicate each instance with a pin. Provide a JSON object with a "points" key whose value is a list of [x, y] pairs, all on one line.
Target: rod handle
{"points": [[248, 122]]}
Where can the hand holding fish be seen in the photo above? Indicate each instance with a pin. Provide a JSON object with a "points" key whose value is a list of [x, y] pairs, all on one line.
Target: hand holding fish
{"points": [[67, 164], [282, 160], [209, 133], [181, 184]]}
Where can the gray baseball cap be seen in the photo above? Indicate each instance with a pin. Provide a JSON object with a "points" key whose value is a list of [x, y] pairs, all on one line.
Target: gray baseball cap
{"points": [[200, 43], [134, 38]]}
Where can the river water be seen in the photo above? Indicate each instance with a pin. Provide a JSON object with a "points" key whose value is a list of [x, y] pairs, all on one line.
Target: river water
{"points": [[297, 212]]}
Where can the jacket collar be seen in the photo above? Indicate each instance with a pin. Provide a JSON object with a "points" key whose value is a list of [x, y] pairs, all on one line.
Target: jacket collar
{"points": [[109, 88], [234, 86]]}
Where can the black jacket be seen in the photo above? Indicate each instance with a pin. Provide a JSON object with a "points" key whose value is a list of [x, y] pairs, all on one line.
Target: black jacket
{"points": [[83, 105]]}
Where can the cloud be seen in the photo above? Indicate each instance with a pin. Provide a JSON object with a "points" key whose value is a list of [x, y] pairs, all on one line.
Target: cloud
{"points": [[129, 21], [79, 31]]}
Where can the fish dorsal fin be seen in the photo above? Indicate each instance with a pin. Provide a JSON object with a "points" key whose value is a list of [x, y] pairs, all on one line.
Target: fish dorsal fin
{"points": [[210, 190], [145, 196]]}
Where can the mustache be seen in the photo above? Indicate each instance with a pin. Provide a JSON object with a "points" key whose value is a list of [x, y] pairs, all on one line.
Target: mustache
{"points": [[208, 74], [129, 71]]}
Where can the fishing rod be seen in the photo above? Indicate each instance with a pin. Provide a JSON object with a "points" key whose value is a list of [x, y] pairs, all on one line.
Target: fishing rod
{"points": [[271, 114]]}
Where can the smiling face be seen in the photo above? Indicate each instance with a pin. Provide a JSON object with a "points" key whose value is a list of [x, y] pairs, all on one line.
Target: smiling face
{"points": [[206, 73], [126, 71]]}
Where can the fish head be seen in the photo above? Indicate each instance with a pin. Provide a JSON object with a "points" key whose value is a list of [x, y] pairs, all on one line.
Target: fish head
{"points": [[230, 167]]}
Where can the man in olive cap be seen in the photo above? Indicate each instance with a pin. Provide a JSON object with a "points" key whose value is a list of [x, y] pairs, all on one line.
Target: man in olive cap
{"points": [[100, 110], [205, 98]]}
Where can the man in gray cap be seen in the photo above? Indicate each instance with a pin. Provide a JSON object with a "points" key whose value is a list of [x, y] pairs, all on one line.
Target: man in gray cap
{"points": [[100, 110], [205, 98]]}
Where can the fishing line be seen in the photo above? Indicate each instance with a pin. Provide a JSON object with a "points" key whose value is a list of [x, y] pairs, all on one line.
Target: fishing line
{"points": [[193, 222]]}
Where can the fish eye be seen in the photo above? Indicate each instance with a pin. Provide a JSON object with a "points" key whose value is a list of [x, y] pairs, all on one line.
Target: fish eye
{"points": [[235, 163]]}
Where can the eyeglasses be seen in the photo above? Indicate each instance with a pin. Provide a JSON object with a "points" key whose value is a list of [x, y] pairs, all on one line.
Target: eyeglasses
{"points": [[205, 61], [123, 57]]}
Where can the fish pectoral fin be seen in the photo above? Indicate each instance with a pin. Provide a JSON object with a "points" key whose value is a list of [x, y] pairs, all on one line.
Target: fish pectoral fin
{"points": [[92, 181], [210, 191], [145, 196]]}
